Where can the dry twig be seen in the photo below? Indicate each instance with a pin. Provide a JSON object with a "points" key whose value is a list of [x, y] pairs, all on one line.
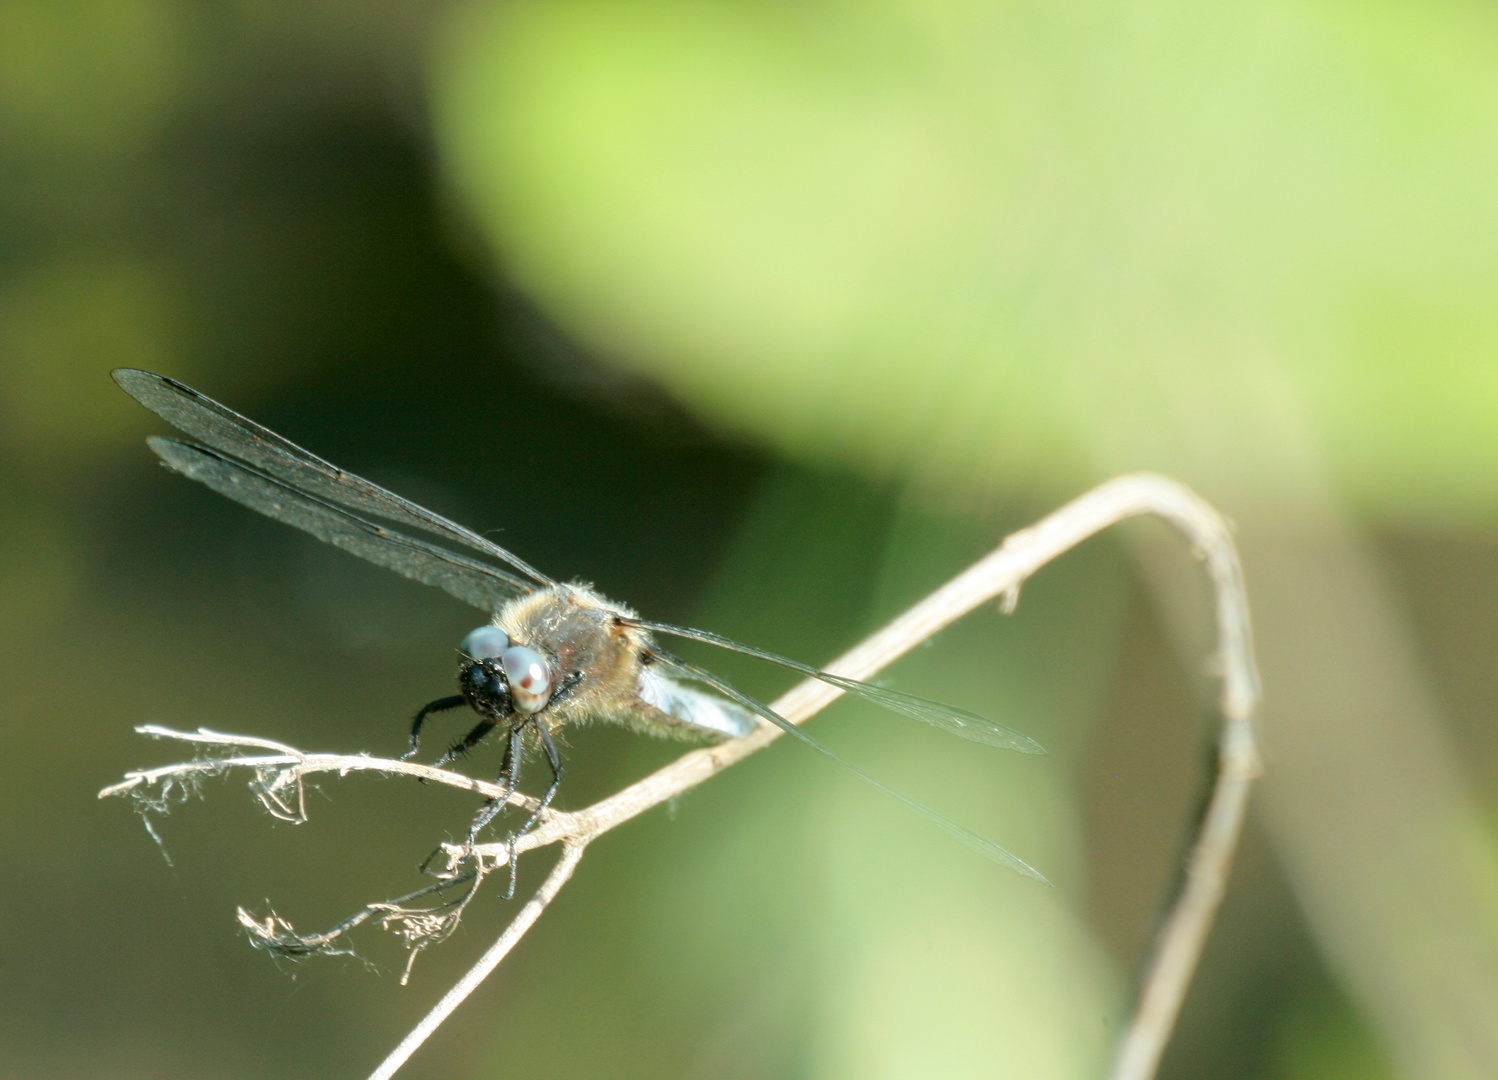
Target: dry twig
{"points": [[998, 576]]}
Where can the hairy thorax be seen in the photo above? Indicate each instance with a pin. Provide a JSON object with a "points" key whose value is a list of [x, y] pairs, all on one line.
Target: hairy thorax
{"points": [[579, 633]]}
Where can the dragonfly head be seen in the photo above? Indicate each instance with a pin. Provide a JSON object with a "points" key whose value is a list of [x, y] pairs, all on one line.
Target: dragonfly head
{"points": [[500, 678]]}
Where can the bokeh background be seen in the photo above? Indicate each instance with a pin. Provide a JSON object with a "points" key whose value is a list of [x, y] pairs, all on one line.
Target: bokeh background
{"points": [[768, 317]]}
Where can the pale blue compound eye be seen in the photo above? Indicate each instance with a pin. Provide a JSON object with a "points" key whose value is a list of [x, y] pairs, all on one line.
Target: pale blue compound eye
{"points": [[485, 643], [530, 680]]}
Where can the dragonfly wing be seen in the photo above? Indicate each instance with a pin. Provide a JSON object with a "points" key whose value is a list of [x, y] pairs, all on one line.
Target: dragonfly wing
{"points": [[692, 708], [479, 584], [225, 430], [961, 833], [968, 725]]}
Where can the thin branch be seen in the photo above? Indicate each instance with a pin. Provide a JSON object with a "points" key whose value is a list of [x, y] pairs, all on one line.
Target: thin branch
{"points": [[1179, 944], [289, 763], [572, 853], [999, 576], [420, 926]]}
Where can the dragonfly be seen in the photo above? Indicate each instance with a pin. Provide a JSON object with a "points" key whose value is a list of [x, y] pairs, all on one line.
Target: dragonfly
{"points": [[553, 653]]}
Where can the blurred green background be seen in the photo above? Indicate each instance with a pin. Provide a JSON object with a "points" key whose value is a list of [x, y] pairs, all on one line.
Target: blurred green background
{"points": [[769, 318]]}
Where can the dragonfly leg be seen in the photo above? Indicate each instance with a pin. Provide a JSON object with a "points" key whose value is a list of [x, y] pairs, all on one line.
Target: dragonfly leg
{"points": [[440, 705], [554, 759], [466, 743], [509, 773]]}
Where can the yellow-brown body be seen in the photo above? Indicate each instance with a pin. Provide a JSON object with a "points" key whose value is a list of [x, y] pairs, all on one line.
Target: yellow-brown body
{"points": [[605, 662]]}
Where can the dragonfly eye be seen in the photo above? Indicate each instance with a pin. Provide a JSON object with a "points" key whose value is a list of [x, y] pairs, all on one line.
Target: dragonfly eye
{"points": [[530, 681], [485, 643]]}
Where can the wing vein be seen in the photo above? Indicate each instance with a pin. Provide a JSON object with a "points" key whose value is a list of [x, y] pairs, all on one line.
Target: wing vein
{"points": [[226, 431], [960, 722], [484, 586]]}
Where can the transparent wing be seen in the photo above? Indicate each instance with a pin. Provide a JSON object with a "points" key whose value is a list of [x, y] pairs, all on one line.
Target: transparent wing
{"points": [[477, 583], [961, 833], [968, 725], [225, 430], [691, 707]]}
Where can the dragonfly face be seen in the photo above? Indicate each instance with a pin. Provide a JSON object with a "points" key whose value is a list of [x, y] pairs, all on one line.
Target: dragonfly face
{"points": [[554, 653], [500, 679]]}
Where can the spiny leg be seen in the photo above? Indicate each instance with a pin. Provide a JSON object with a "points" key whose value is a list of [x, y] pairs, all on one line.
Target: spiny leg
{"points": [[554, 759], [440, 705], [465, 744], [510, 774]]}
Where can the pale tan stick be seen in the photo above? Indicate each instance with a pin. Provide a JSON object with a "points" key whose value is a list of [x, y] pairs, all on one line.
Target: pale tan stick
{"points": [[1178, 947], [289, 764], [999, 575], [572, 853]]}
